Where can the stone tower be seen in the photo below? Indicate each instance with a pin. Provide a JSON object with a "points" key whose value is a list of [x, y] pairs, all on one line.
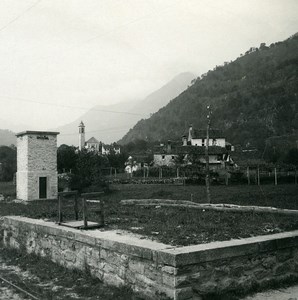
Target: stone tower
{"points": [[37, 165], [81, 136]]}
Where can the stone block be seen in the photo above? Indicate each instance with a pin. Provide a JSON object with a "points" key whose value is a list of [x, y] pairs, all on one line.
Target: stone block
{"points": [[236, 271], [136, 266], [153, 274], [284, 254], [169, 270], [282, 269], [113, 279], [269, 262], [113, 257], [85, 239], [165, 258], [207, 287], [130, 277], [183, 293], [169, 280], [262, 273], [222, 271], [144, 280], [69, 256]]}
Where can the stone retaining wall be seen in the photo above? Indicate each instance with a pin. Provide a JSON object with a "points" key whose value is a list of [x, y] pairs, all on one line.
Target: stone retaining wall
{"points": [[156, 270]]}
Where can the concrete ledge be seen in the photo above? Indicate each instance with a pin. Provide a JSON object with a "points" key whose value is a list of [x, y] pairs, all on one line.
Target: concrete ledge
{"points": [[156, 269]]}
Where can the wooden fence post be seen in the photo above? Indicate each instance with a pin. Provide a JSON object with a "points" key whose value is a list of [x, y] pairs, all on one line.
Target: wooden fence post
{"points": [[59, 210], [76, 207], [295, 175], [258, 174], [275, 176], [248, 176], [227, 179], [85, 212]]}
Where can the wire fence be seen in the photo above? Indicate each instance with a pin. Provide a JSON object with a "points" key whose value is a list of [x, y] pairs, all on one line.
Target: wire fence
{"points": [[196, 175]]}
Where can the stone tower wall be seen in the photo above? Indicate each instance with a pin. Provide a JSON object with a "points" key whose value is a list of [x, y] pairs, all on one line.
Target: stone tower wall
{"points": [[81, 137], [36, 157]]}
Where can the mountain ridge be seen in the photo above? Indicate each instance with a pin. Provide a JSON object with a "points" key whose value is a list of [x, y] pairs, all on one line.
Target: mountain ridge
{"points": [[110, 123], [253, 98]]}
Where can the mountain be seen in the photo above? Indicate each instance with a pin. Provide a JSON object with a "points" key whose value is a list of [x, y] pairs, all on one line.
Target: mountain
{"points": [[7, 137], [253, 98], [162, 96], [105, 123], [110, 123]]}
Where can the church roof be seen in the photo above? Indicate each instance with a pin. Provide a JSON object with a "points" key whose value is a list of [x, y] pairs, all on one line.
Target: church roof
{"points": [[92, 140]]}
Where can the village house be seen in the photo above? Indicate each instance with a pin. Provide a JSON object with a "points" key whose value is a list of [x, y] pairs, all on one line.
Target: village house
{"points": [[192, 150], [94, 145]]}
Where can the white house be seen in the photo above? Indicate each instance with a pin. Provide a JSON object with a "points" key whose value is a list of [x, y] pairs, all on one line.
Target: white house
{"points": [[193, 147], [197, 137]]}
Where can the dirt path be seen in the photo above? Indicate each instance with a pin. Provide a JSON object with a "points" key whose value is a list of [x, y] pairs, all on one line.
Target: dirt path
{"points": [[9, 294], [28, 282]]}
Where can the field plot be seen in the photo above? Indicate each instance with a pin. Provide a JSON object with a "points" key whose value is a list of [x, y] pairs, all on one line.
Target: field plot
{"points": [[182, 225]]}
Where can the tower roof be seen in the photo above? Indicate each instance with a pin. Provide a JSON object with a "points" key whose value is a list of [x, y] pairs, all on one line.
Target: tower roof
{"points": [[81, 124], [37, 133]]}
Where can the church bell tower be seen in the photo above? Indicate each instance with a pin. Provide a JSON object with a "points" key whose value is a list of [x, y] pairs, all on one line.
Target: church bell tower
{"points": [[81, 136]]}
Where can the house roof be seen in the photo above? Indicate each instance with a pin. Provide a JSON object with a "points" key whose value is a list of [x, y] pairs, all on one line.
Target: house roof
{"points": [[201, 133], [93, 140], [212, 150]]}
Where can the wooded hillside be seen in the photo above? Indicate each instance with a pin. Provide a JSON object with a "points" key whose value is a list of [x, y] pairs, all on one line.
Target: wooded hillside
{"points": [[253, 98]]}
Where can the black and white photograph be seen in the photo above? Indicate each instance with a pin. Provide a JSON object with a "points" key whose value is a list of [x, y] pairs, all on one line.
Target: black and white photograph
{"points": [[148, 150]]}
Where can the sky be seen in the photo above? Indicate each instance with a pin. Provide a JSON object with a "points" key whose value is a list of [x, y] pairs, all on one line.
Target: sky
{"points": [[59, 58]]}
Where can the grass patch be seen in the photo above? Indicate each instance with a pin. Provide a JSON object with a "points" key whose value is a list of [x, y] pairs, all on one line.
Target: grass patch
{"points": [[8, 189], [180, 225]]}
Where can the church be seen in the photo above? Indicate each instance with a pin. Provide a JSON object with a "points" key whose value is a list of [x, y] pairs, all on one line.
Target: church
{"points": [[93, 144]]}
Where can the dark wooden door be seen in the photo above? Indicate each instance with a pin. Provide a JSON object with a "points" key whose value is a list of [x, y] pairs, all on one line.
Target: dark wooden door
{"points": [[42, 187]]}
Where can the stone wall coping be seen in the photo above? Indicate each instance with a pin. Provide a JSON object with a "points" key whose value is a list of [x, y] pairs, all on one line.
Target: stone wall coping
{"points": [[162, 253], [110, 239]]}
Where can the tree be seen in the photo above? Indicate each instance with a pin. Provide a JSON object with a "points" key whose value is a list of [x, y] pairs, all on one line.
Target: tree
{"points": [[8, 163], [292, 157], [66, 158], [88, 169]]}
